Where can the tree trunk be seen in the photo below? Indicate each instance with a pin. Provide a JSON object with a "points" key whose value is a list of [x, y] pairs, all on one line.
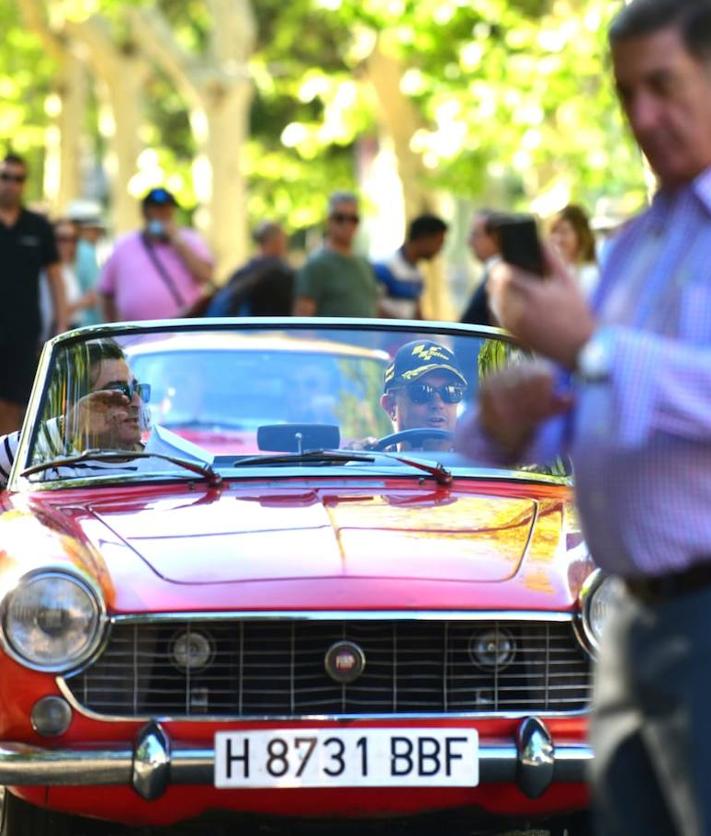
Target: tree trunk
{"points": [[123, 71], [399, 120], [217, 87], [63, 149], [227, 117], [66, 106], [124, 84]]}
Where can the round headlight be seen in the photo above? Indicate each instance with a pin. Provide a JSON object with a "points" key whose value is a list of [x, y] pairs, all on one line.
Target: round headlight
{"points": [[52, 620], [597, 596]]}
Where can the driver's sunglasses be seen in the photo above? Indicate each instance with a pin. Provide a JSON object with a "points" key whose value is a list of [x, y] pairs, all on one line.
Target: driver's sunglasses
{"points": [[424, 393], [130, 389]]}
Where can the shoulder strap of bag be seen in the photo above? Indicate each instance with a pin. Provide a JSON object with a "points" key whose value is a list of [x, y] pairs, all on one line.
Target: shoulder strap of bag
{"points": [[162, 272]]}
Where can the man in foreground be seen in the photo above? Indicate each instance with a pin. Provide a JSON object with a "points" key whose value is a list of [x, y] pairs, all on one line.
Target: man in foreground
{"points": [[637, 420]]}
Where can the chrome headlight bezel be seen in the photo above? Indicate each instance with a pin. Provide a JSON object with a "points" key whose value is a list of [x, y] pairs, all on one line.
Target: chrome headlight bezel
{"points": [[97, 633], [592, 586]]}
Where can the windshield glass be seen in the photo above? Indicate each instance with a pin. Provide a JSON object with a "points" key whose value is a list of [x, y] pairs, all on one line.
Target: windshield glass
{"points": [[218, 394]]}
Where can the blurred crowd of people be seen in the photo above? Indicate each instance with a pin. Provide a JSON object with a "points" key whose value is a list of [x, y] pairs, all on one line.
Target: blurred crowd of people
{"points": [[65, 274]]}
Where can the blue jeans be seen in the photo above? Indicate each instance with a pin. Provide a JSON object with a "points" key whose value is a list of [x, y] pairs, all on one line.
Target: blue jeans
{"points": [[651, 723]]}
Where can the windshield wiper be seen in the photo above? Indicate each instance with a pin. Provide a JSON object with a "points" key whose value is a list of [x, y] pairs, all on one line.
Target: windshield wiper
{"points": [[205, 470], [310, 457], [440, 473]]}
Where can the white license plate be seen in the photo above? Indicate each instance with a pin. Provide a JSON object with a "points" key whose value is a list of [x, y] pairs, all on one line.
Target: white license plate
{"points": [[347, 758]]}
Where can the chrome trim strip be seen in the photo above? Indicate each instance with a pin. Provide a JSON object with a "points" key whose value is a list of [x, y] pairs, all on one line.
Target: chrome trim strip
{"points": [[23, 765], [347, 615], [233, 720]]}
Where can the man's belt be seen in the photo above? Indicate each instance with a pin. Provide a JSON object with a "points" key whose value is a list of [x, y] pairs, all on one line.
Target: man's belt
{"points": [[656, 590]]}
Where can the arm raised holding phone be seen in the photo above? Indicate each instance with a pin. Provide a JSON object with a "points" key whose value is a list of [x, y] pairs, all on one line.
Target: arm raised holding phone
{"points": [[551, 317]]}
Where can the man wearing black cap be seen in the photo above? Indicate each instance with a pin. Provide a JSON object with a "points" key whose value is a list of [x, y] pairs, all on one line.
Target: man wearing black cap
{"points": [[423, 387], [157, 272]]}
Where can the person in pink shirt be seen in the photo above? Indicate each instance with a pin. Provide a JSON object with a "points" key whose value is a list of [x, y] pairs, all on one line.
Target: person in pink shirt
{"points": [[156, 272]]}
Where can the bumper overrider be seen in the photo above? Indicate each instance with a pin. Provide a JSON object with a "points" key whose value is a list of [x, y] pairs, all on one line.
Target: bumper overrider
{"points": [[155, 762]]}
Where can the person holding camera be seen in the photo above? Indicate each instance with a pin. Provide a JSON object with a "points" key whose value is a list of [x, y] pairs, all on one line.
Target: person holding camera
{"points": [[156, 272], [634, 413]]}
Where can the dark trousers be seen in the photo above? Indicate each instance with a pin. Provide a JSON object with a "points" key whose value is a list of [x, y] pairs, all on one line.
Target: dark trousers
{"points": [[651, 724]]}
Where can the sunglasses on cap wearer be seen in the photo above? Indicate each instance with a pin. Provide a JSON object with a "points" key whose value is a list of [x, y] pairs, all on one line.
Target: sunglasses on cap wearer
{"points": [[130, 389], [6, 177], [420, 393], [345, 217]]}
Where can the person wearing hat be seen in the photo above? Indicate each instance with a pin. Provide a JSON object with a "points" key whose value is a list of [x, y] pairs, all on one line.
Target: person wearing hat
{"points": [[423, 388], [90, 227], [156, 272]]}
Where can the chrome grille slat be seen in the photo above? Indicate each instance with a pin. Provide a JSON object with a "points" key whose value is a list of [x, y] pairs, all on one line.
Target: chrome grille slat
{"points": [[263, 668]]}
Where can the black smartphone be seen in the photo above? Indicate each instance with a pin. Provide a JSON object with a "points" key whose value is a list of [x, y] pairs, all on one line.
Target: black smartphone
{"points": [[519, 243]]}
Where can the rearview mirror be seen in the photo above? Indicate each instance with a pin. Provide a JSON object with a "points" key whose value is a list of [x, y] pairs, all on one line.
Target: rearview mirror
{"points": [[297, 438]]}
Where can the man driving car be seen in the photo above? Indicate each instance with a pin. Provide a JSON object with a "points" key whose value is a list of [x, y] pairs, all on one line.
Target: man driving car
{"points": [[423, 387]]}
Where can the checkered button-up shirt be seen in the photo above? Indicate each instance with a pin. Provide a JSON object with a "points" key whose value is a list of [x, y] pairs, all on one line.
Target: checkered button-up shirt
{"points": [[641, 441]]}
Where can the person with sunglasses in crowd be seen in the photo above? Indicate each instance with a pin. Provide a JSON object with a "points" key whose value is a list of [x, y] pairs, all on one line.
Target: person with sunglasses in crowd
{"points": [[335, 281], [27, 246], [108, 411]]}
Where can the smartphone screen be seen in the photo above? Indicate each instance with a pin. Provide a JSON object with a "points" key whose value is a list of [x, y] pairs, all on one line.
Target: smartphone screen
{"points": [[520, 244]]}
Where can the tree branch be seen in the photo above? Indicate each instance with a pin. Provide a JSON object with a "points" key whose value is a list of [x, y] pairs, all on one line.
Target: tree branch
{"points": [[35, 18], [234, 33], [157, 41]]}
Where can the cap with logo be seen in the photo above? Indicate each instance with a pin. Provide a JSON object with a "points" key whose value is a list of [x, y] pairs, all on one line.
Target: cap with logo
{"points": [[159, 197], [418, 358]]}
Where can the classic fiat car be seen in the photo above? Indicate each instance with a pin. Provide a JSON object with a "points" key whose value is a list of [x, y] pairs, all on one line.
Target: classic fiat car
{"points": [[244, 573]]}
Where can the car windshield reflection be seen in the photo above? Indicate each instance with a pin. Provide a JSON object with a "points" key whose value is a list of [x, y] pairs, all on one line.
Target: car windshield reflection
{"points": [[223, 393]]}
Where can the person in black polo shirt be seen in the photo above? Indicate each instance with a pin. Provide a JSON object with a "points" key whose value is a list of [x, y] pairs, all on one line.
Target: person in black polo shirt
{"points": [[26, 246]]}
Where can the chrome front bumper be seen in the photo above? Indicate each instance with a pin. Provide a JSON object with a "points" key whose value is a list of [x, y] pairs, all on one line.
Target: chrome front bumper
{"points": [[154, 763]]}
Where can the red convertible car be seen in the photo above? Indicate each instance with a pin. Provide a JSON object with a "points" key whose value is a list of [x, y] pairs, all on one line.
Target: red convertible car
{"points": [[244, 573]]}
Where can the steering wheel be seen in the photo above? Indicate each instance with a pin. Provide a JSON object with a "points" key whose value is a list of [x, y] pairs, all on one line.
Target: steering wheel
{"points": [[417, 433]]}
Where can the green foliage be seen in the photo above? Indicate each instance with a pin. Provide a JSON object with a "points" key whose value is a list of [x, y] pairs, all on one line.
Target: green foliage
{"points": [[25, 82], [514, 96]]}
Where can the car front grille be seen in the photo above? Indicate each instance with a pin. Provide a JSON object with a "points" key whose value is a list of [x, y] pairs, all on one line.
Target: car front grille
{"points": [[277, 668]]}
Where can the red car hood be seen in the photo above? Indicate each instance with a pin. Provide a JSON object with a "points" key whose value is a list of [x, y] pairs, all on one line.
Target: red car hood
{"points": [[315, 533]]}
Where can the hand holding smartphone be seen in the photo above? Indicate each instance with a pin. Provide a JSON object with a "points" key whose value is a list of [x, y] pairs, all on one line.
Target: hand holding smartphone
{"points": [[519, 243]]}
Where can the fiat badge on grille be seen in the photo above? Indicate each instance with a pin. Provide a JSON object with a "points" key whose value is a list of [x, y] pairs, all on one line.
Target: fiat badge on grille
{"points": [[344, 662]]}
